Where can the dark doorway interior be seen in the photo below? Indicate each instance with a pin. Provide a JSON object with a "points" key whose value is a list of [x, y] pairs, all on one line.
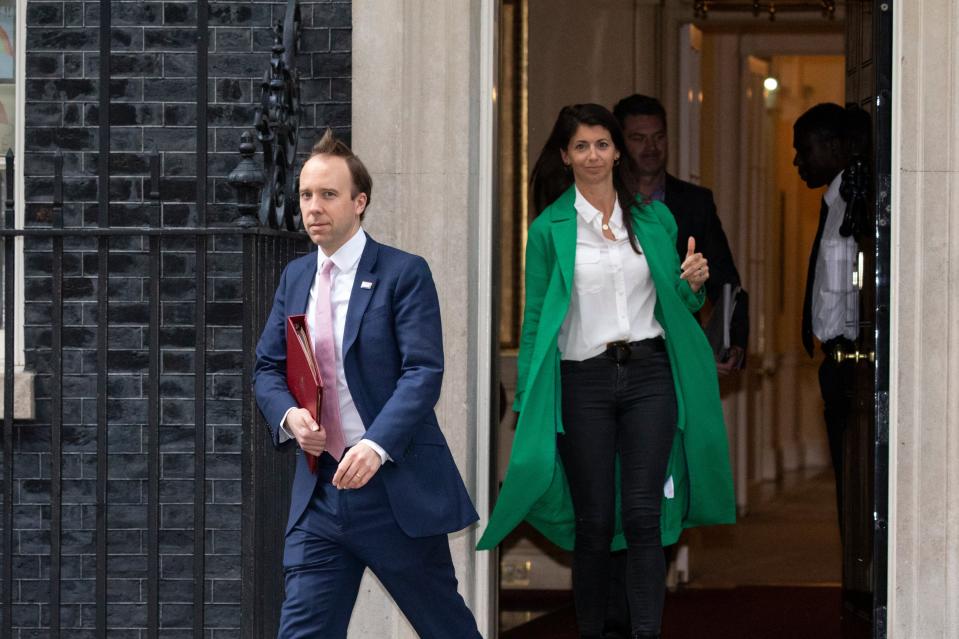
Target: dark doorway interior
{"points": [[782, 570]]}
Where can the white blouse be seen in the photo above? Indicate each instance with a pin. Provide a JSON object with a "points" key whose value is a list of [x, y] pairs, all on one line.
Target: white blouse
{"points": [[613, 295]]}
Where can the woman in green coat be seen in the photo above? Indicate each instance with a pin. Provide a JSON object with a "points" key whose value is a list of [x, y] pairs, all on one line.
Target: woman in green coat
{"points": [[620, 441]]}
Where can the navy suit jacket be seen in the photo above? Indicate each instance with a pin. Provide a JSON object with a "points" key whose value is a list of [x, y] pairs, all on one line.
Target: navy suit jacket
{"points": [[393, 361]]}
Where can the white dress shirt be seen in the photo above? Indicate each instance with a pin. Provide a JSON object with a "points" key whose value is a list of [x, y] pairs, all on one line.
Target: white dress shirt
{"points": [[835, 297], [345, 261], [613, 297]]}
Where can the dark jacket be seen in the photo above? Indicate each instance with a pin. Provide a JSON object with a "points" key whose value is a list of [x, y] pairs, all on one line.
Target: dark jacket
{"points": [[695, 213]]}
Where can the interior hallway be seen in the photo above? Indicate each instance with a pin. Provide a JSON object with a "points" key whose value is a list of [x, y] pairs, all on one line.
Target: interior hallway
{"points": [[774, 574], [790, 539]]}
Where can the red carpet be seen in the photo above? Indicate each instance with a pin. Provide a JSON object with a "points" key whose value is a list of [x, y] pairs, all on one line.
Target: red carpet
{"points": [[735, 613]]}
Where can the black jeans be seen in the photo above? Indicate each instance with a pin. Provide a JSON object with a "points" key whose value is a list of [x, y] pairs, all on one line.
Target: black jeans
{"points": [[624, 410]]}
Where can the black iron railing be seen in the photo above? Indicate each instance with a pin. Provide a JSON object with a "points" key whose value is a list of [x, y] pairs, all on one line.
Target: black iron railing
{"points": [[266, 475], [214, 294]]}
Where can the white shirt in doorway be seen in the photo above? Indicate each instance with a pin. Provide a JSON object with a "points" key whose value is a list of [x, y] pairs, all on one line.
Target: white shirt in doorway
{"points": [[835, 299]]}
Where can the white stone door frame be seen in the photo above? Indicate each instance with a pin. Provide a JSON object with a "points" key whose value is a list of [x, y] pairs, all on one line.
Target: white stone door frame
{"points": [[424, 82], [923, 556], [486, 337]]}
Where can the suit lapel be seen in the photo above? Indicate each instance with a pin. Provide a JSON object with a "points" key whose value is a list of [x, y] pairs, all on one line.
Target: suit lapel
{"points": [[363, 287], [672, 188], [301, 288]]}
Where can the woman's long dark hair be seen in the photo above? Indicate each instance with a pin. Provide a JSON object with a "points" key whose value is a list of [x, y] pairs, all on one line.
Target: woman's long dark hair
{"points": [[551, 178]]}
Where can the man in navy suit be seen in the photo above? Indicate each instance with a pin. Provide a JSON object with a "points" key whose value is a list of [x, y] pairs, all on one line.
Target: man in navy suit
{"points": [[395, 493]]}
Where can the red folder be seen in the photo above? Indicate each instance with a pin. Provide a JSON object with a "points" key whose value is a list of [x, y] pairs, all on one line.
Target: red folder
{"points": [[302, 373]]}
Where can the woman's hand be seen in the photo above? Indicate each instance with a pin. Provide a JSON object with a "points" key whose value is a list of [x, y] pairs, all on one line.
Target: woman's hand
{"points": [[695, 267]]}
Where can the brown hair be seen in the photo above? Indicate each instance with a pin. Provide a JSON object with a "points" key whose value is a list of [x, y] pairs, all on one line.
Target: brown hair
{"points": [[329, 144]]}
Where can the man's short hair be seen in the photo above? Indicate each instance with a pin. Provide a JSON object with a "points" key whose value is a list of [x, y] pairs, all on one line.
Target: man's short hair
{"points": [[329, 144], [638, 104], [826, 120]]}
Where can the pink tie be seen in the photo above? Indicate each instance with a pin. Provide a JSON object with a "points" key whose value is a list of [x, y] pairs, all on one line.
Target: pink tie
{"points": [[326, 360]]}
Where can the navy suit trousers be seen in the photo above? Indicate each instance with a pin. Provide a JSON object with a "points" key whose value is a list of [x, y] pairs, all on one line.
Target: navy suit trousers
{"points": [[341, 533]]}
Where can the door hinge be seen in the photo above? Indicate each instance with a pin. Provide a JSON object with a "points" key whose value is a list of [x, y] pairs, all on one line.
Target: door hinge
{"points": [[882, 417], [885, 208]]}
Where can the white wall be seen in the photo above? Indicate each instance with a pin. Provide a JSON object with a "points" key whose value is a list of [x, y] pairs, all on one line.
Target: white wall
{"points": [[422, 104], [924, 397]]}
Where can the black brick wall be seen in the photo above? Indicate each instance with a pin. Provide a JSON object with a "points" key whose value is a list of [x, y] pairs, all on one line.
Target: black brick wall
{"points": [[153, 91]]}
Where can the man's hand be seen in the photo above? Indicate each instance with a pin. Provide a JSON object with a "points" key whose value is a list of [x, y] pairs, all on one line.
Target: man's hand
{"points": [[356, 468], [309, 435], [734, 358], [695, 268]]}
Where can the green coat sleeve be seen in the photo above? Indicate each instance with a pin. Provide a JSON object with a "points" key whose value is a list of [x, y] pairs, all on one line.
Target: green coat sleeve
{"points": [[537, 281]]}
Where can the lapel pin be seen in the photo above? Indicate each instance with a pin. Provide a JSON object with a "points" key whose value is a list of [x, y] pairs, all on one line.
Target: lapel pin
{"points": [[366, 284]]}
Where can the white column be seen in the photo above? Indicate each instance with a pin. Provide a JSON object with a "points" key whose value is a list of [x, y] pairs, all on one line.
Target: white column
{"points": [[422, 123], [924, 397]]}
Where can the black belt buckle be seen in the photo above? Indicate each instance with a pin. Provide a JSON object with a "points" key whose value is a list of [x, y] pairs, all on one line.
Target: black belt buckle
{"points": [[620, 351]]}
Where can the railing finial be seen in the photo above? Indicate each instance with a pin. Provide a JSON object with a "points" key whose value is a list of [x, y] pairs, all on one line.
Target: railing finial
{"points": [[247, 179]]}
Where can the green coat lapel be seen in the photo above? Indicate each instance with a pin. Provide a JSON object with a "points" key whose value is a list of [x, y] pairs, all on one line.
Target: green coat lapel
{"points": [[652, 238], [563, 233], [555, 303]]}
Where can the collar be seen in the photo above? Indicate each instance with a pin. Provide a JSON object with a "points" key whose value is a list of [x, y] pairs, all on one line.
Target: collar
{"points": [[832, 193], [659, 193], [589, 213], [347, 256]]}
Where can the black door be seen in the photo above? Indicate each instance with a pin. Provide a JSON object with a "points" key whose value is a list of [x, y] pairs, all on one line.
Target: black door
{"points": [[868, 85]]}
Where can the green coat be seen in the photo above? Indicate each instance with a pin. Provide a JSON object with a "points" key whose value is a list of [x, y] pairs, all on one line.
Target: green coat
{"points": [[535, 487]]}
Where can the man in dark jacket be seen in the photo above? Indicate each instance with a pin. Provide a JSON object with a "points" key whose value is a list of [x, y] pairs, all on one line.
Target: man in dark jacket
{"points": [[644, 124]]}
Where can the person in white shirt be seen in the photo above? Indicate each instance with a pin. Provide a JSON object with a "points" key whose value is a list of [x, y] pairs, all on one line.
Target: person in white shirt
{"points": [[831, 302]]}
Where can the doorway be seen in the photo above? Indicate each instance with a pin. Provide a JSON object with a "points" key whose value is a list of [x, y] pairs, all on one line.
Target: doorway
{"points": [[733, 134]]}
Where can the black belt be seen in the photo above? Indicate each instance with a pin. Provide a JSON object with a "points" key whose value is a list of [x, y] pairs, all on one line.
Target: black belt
{"points": [[621, 352]]}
